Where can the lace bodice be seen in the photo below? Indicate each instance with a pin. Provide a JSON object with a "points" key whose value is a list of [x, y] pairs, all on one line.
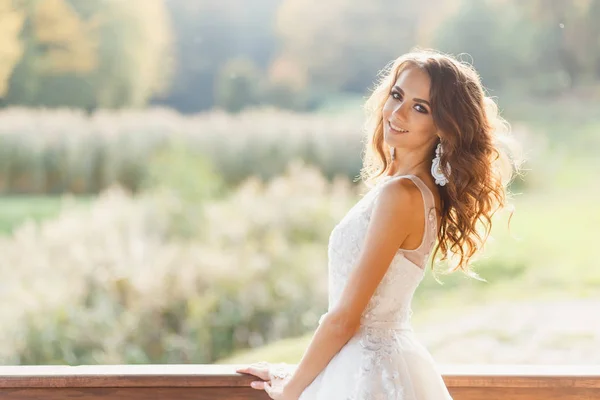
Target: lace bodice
{"points": [[391, 302], [383, 360]]}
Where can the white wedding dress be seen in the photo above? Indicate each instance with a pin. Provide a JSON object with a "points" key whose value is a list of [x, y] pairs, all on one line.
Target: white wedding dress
{"points": [[383, 360]]}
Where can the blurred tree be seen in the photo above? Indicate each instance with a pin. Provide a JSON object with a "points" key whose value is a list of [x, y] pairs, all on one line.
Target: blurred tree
{"points": [[433, 13], [568, 39], [239, 85], [593, 18], [56, 42], [92, 54], [136, 57], [542, 47], [286, 86], [209, 33], [65, 39], [11, 48], [342, 44], [481, 32], [203, 44]]}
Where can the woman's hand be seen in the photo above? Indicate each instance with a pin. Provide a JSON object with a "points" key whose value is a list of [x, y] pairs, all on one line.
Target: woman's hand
{"points": [[273, 380]]}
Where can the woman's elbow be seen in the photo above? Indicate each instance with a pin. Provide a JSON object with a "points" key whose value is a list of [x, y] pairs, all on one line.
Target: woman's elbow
{"points": [[342, 323]]}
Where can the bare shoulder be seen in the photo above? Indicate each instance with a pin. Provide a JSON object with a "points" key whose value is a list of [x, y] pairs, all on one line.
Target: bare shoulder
{"points": [[392, 220], [399, 195]]}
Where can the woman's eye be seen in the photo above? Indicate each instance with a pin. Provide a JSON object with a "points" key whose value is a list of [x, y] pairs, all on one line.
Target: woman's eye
{"points": [[418, 107], [421, 109]]}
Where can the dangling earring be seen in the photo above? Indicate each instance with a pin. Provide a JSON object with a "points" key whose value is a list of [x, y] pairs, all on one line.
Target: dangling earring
{"points": [[441, 178], [393, 153]]}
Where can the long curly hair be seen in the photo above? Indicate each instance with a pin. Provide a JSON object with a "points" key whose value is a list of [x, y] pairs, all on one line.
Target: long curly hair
{"points": [[476, 144]]}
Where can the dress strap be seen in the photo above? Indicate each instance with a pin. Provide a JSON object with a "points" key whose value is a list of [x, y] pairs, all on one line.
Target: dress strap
{"points": [[420, 254]]}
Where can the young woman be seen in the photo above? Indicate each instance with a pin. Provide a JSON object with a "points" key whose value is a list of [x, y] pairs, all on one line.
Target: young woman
{"points": [[437, 173]]}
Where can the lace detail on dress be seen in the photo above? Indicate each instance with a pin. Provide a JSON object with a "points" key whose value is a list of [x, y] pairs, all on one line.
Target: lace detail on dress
{"points": [[383, 361], [387, 315], [432, 222], [378, 377]]}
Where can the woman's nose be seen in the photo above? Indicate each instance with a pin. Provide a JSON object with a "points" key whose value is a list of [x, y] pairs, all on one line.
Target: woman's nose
{"points": [[401, 111]]}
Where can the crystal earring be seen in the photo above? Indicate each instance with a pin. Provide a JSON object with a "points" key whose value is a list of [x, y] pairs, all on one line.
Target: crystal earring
{"points": [[436, 168], [393, 153]]}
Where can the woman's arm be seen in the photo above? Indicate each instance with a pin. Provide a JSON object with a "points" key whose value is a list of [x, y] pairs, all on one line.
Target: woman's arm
{"points": [[392, 219], [329, 338]]}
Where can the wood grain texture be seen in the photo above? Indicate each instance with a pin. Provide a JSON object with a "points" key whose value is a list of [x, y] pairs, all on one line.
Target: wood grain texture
{"points": [[522, 376], [61, 376], [200, 382], [138, 393], [523, 394]]}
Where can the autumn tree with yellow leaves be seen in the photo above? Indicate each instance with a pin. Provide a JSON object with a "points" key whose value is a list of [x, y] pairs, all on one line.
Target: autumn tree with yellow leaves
{"points": [[11, 47], [84, 54]]}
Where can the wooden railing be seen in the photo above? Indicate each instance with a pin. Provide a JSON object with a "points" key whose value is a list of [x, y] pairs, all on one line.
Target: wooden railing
{"points": [[203, 382]]}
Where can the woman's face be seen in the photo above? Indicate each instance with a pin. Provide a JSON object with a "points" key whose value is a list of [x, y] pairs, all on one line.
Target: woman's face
{"points": [[407, 119]]}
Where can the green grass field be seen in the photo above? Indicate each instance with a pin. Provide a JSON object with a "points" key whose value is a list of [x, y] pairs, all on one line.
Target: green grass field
{"points": [[548, 255], [15, 210]]}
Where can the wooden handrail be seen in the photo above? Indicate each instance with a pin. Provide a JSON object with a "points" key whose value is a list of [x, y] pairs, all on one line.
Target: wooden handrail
{"points": [[201, 382], [522, 382]]}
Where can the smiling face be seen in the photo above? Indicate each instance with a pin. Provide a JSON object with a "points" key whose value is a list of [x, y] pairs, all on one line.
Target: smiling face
{"points": [[407, 119]]}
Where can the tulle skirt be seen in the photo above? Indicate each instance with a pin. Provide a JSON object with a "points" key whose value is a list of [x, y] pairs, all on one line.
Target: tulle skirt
{"points": [[379, 364]]}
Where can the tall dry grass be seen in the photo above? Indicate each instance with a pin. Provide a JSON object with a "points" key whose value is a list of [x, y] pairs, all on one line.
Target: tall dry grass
{"points": [[117, 283], [58, 151]]}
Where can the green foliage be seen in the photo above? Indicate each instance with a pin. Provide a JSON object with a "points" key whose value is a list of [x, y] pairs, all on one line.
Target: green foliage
{"points": [[542, 50], [190, 54], [57, 43], [238, 86], [11, 47], [98, 54], [208, 35], [134, 52], [116, 283], [531, 271], [241, 84], [285, 96], [18, 210], [192, 274], [476, 30], [566, 40], [185, 173], [334, 49]]}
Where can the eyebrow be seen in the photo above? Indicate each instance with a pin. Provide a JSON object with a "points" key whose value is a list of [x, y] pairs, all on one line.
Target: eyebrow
{"points": [[415, 99]]}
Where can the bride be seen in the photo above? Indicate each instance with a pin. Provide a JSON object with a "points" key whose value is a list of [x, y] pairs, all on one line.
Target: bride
{"points": [[436, 174]]}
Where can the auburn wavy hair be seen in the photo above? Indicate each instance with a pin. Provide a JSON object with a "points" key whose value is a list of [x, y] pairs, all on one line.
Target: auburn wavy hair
{"points": [[476, 145]]}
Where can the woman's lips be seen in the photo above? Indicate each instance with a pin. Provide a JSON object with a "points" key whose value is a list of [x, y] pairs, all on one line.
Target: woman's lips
{"points": [[398, 132]]}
